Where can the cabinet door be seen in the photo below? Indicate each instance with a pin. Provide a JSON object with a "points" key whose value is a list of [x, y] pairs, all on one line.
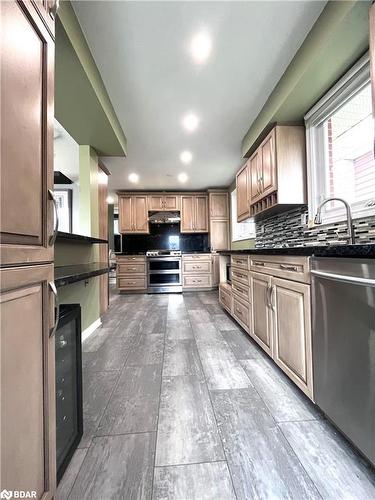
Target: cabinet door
{"points": [[255, 174], [219, 205], [372, 54], [28, 451], [261, 316], [292, 331], [201, 214], [27, 95], [187, 214], [219, 234], [140, 214], [155, 202], [268, 177], [242, 187], [125, 214], [171, 202], [47, 11]]}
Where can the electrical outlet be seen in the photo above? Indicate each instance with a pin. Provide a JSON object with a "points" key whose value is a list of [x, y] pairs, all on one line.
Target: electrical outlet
{"points": [[304, 219], [262, 229]]}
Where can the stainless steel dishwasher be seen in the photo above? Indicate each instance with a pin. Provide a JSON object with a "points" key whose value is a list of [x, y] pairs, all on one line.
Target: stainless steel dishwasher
{"points": [[344, 346]]}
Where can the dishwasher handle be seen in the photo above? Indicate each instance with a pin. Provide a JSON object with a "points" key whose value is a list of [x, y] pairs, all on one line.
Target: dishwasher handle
{"points": [[345, 279]]}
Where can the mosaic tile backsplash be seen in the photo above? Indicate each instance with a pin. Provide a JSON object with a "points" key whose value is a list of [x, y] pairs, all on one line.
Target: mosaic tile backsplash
{"points": [[287, 229]]}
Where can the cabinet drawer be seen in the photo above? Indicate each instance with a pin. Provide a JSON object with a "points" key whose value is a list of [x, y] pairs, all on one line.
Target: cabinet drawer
{"points": [[197, 281], [131, 283], [193, 267], [295, 268], [241, 313], [196, 256], [130, 258], [240, 290], [241, 261], [240, 276], [225, 299], [130, 268]]}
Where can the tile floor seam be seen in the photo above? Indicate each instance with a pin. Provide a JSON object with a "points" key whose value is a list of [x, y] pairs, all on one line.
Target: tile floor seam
{"points": [[158, 412], [303, 467], [214, 414], [191, 463]]}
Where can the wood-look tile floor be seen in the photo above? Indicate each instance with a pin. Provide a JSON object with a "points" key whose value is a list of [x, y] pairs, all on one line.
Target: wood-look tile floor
{"points": [[180, 404]]}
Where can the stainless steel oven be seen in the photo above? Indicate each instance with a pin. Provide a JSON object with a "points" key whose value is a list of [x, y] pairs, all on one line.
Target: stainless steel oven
{"points": [[164, 273]]}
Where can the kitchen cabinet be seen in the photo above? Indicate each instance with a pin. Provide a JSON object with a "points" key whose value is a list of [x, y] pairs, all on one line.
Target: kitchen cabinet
{"points": [[243, 193], [133, 214], [194, 213], [372, 53], [275, 309], [28, 380], [163, 202], [276, 174], [219, 205], [27, 97], [131, 273], [28, 447], [290, 304], [196, 271], [219, 235], [261, 314], [219, 220]]}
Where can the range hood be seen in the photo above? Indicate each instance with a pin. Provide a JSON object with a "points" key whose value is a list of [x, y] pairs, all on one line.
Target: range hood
{"points": [[164, 217]]}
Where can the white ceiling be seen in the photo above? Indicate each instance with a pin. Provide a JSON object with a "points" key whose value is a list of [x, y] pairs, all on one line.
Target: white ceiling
{"points": [[142, 52]]}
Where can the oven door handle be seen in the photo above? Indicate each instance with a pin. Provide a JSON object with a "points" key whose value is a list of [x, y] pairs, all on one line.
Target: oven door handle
{"points": [[345, 279]]}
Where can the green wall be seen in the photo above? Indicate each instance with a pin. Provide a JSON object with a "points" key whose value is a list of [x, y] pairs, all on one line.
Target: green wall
{"points": [[82, 104]]}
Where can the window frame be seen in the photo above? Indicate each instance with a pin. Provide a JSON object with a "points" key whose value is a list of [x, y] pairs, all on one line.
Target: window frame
{"points": [[237, 235], [347, 87]]}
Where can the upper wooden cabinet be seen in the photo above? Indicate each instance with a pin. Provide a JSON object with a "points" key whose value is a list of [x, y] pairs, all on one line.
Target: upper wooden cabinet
{"points": [[278, 171], [133, 214], [194, 213], [274, 178], [163, 201], [243, 193], [27, 95], [219, 220], [219, 205]]}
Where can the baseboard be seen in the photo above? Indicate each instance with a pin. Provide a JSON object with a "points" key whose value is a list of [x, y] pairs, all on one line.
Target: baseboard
{"points": [[91, 329]]}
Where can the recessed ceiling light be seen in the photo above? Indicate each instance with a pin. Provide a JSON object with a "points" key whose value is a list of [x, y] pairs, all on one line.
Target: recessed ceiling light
{"points": [[186, 157], [182, 177], [110, 200], [133, 178], [190, 122], [201, 46]]}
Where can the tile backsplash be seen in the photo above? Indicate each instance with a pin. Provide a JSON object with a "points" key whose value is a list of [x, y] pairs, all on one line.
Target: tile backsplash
{"points": [[288, 229]]}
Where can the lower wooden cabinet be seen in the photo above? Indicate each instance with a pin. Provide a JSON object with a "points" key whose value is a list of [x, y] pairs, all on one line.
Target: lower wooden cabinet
{"points": [[290, 303], [196, 271], [131, 273], [276, 312], [28, 449], [261, 313]]}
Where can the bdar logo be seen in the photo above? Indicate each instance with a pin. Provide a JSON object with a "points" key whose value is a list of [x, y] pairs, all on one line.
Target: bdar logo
{"points": [[6, 494]]}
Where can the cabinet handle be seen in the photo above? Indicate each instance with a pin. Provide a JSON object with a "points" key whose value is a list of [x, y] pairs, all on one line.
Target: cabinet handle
{"points": [[260, 264], [268, 289], [57, 306], [52, 238], [272, 291], [288, 267]]}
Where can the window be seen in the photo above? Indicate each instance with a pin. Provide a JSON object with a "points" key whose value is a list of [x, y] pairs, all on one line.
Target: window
{"points": [[340, 145], [240, 230]]}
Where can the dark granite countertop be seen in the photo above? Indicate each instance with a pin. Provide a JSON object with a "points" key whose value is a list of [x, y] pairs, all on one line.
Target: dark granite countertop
{"points": [[65, 275], [77, 238], [367, 251], [144, 253]]}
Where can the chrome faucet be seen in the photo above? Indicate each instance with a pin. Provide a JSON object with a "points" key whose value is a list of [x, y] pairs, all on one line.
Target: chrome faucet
{"points": [[318, 217]]}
